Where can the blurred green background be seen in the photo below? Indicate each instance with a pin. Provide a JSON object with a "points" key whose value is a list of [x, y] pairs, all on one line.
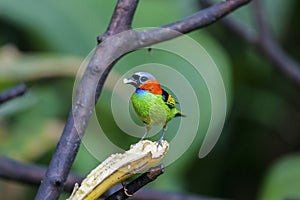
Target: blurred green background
{"points": [[43, 43]]}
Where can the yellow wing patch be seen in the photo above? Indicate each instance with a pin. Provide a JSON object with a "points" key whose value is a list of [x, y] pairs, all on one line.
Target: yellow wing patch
{"points": [[171, 101]]}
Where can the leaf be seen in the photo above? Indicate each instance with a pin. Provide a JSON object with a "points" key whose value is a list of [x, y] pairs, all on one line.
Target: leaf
{"points": [[67, 26], [283, 180]]}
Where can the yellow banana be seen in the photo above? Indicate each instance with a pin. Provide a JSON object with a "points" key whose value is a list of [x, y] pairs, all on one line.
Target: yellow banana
{"points": [[118, 167]]}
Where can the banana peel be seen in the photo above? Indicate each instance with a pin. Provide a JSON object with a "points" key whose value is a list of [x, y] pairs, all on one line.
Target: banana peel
{"points": [[118, 167]]}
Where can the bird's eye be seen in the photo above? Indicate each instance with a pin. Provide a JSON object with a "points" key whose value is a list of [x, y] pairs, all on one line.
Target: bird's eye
{"points": [[143, 79]]}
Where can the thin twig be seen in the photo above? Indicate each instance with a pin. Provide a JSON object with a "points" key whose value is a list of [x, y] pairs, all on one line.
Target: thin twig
{"points": [[206, 17], [271, 48], [263, 40], [196, 21], [107, 52], [30, 174], [233, 24], [12, 93], [138, 183]]}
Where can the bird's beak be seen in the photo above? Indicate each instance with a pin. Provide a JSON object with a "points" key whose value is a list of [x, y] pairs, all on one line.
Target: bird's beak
{"points": [[130, 81]]}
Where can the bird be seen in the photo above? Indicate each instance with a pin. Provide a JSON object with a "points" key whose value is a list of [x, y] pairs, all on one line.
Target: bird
{"points": [[152, 104]]}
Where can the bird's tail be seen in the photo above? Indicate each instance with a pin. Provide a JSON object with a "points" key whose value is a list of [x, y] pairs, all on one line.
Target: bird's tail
{"points": [[179, 114]]}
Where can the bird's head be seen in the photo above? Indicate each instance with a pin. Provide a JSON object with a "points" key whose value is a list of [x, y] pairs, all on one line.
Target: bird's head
{"points": [[139, 78]]}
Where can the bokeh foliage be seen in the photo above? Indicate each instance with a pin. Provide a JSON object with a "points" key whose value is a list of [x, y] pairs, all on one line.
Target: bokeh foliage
{"points": [[44, 42]]}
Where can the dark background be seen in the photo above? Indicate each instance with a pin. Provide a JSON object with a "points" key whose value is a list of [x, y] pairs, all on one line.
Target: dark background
{"points": [[42, 43]]}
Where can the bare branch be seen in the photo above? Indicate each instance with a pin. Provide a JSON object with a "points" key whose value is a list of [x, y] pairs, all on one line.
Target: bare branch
{"points": [[33, 174], [121, 19], [206, 17], [271, 48], [30, 174], [233, 24], [109, 50], [138, 183], [69, 143], [264, 41], [196, 21], [201, 19], [12, 93]]}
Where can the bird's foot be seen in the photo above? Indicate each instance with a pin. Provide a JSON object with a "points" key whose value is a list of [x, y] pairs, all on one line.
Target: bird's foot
{"points": [[159, 141], [162, 136], [125, 189]]}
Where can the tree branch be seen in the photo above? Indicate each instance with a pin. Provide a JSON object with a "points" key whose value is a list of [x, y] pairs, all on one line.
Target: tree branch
{"points": [[196, 21], [232, 24], [121, 19], [263, 40], [206, 17], [12, 93], [33, 174], [69, 143], [138, 183], [30, 174], [108, 51], [271, 48]]}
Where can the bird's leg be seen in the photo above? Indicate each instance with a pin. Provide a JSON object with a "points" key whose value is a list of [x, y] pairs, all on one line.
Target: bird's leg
{"points": [[162, 135], [146, 133]]}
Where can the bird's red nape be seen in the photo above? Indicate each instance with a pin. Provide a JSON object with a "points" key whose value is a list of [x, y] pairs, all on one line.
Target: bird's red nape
{"points": [[152, 86]]}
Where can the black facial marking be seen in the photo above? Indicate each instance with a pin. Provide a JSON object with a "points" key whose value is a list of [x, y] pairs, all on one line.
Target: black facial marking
{"points": [[135, 76]]}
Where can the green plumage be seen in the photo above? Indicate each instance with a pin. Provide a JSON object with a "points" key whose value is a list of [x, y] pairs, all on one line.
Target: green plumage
{"points": [[152, 104], [153, 109]]}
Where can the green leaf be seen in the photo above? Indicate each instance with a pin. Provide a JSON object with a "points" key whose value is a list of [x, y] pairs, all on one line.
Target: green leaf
{"points": [[283, 180], [66, 26]]}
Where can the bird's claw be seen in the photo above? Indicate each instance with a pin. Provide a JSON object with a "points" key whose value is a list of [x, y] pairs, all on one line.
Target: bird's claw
{"points": [[126, 190], [162, 136], [160, 141]]}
